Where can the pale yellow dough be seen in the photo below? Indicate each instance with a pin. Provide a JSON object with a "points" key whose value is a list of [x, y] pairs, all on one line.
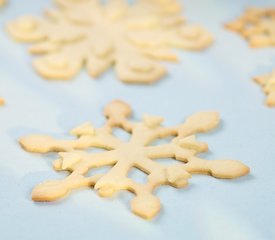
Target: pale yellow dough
{"points": [[267, 82], [257, 25], [137, 153], [132, 38]]}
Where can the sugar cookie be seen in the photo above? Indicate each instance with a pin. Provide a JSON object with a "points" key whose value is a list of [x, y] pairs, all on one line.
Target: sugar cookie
{"points": [[267, 82], [257, 26], [137, 153], [132, 38]]}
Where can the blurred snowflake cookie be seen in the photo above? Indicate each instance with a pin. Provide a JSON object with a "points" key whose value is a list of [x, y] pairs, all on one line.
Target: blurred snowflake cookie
{"points": [[139, 152], [2, 2], [132, 38], [267, 82], [2, 101], [257, 26]]}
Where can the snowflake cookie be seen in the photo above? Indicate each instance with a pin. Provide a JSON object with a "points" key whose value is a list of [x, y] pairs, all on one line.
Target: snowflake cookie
{"points": [[257, 26], [132, 38], [267, 82], [123, 156]]}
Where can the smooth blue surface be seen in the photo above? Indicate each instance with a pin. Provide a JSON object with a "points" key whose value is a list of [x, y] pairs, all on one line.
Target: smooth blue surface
{"points": [[218, 79]]}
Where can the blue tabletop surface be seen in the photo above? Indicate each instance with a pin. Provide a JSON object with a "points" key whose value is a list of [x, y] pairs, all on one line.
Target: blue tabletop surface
{"points": [[217, 79]]}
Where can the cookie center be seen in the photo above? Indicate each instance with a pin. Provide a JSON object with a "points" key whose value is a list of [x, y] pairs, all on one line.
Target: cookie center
{"points": [[130, 152]]}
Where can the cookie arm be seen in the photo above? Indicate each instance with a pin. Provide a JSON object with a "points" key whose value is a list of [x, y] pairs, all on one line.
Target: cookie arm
{"points": [[227, 169], [56, 189]]}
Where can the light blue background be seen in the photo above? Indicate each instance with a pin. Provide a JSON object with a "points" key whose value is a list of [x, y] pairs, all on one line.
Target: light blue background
{"points": [[218, 79]]}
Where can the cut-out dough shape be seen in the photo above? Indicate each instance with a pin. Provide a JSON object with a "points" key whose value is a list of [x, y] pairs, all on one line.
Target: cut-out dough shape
{"points": [[136, 153], [132, 38], [257, 26], [267, 82]]}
